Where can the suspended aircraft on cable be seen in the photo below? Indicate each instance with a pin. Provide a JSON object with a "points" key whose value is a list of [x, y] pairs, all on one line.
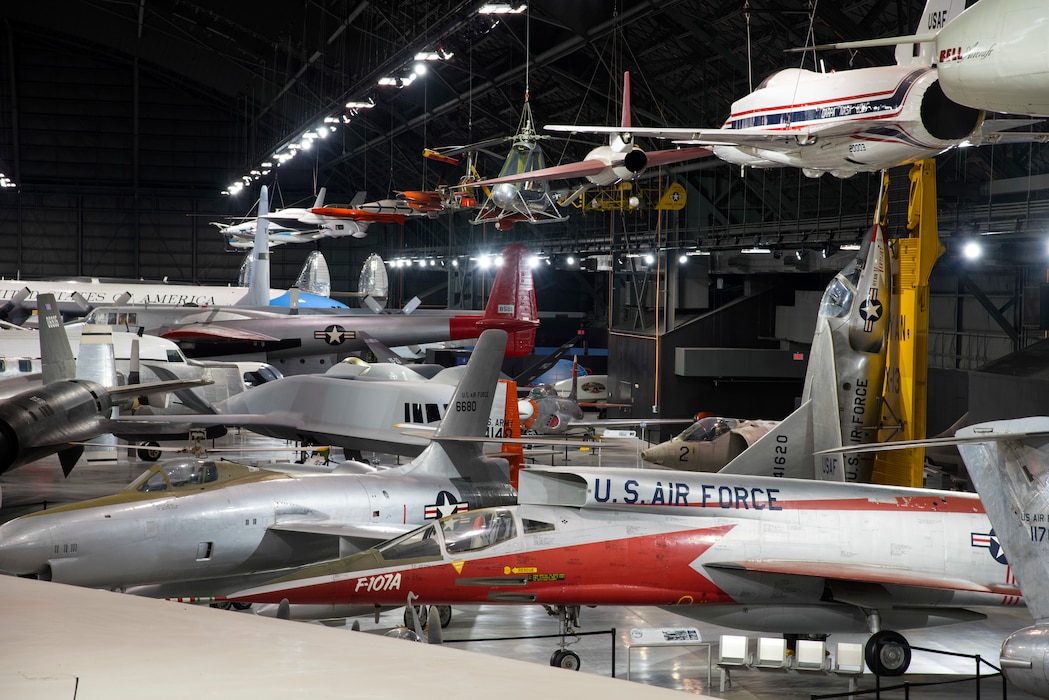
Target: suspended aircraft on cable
{"points": [[844, 122], [620, 160], [306, 224]]}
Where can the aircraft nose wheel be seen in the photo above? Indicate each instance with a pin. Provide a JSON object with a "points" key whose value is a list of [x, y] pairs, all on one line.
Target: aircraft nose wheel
{"points": [[565, 659], [887, 653], [444, 613]]}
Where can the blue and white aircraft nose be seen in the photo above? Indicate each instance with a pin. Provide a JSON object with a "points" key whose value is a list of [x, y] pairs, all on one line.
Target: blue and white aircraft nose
{"points": [[25, 547]]}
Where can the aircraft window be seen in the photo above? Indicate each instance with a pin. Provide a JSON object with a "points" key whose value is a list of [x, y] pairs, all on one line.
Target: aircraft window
{"points": [[3, 366], [420, 543], [175, 356], [533, 526], [156, 482], [543, 391], [407, 414], [478, 529], [25, 365], [432, 414], [417, 413], [191, 473]]}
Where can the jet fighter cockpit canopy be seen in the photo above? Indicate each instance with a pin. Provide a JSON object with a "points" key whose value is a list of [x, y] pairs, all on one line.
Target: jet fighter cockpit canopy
{"points": [[468, 531], [708, 429], [172, 475]]}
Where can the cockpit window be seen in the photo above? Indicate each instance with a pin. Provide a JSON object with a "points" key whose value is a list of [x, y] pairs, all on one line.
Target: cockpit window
{"points": [[473, 530], [542, 391], [709, 429], [175, 475], [837, 300], [420, 543]]}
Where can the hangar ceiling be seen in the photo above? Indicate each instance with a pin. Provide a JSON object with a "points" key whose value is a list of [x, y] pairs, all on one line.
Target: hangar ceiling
{"points": [[171, 99]]}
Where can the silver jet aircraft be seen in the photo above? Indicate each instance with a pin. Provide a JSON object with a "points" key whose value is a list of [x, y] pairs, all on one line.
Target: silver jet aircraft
{"points": [[204, 521]]}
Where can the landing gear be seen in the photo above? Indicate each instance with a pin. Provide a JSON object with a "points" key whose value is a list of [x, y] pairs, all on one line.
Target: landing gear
{"points": [[887, 653], [565, 659], [567, 620], [444, 613], [149, 455]]}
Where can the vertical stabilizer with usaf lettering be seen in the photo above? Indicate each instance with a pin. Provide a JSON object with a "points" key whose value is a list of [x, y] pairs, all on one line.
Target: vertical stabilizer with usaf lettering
{"points": [[259, 287], [937, 14], [467, 416], [1010, 470]]}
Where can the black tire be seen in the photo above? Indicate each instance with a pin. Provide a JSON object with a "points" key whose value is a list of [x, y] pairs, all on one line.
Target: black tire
{"points": [[569, 660], [555, 658], [887, 653], [444, 612], [148, 455], [409, 622], [241, 606]]}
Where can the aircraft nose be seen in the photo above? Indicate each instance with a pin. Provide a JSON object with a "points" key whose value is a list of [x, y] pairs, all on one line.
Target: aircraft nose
{"points": [[25, 547]]}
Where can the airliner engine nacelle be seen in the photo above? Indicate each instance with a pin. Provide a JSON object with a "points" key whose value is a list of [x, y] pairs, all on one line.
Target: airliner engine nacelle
{"points": [[943, 120], [41, 423], [1025, 659]]}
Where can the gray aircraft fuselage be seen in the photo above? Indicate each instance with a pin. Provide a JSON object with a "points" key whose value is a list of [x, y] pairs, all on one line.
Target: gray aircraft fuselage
{"points": [[229, 526]]}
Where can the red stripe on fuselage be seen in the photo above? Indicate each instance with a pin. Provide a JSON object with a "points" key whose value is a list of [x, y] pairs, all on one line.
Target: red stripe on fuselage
{"points": [[605, 572]]}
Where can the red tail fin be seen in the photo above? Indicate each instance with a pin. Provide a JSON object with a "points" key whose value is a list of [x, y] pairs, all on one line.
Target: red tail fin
{"points": [[626, 100], [512, 303]]}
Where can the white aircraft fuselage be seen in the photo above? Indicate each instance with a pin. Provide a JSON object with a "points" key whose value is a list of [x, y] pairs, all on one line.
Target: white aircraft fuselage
{"points": [[847, 122]]}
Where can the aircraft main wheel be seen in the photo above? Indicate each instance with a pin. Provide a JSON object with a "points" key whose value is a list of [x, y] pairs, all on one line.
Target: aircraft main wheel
{"points": [[148, 455], [555, 658], [444, 612], [887, 653], [568, 660], [241, 606], [409, 622]]}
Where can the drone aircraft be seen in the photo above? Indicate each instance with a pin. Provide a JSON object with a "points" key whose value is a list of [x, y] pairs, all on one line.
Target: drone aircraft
{"points": [[843, 122]]}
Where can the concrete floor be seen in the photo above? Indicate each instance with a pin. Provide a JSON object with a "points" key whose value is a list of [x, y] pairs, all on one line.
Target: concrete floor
{"points": [[29, 488]]}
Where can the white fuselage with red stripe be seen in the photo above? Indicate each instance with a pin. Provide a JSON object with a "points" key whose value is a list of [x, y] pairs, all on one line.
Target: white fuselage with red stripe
{"points": [[862, 120], [815, 556]]}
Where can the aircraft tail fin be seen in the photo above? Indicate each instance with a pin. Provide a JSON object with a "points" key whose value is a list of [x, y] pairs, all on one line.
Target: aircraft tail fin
{"points": [[626, 100], [315, 277], [937, 13], [358, 199], [512, 452], [259, 287], [784, 451], [96, 361], [1011, 473], [528, 375], [320, 198], [56, 357], [511, 305], [467, 416]]}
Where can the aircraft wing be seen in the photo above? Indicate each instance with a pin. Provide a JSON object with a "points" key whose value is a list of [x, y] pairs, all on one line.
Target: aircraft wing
{"points": [[131, 390], [372, 532], [885, 575], [558, 172], [203, 331]]}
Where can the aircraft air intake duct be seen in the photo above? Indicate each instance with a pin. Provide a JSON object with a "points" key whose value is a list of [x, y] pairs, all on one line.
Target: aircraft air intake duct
{"points": [[944, 119], [1025, 659]]}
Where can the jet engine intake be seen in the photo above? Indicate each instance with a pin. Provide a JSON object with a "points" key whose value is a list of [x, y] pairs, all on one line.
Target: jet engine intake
{"points": [[635, 160]]}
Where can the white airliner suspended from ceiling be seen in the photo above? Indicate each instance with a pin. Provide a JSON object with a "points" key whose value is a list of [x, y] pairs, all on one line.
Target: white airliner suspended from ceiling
{"points": [[993, 56], [306, 224], [844, 122]]}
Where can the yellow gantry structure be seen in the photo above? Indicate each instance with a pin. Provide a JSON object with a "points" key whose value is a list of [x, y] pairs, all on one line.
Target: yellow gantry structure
{"points": [[906, 379]]}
